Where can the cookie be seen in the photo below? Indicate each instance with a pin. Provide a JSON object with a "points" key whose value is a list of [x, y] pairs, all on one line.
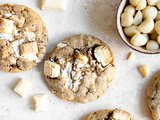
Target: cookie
{"points": [[80, 69], [109, 115], [23, 38], [153, 97]]}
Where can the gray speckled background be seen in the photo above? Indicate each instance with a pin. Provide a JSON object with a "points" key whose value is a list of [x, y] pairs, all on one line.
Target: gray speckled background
{"points": [[92, 17]]}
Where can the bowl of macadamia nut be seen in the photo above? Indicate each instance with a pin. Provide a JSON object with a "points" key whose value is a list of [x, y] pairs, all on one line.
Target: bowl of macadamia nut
{"points": [[138, 24]]}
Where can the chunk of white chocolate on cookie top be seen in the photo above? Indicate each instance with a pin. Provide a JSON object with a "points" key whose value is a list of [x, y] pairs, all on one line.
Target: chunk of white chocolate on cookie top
{"points": [[53, 4], [17, 18], [103, 55], [28, 49], [121, 115], [51, 69], [22, 87], [81, 60], [6, 26], [40, 103]]}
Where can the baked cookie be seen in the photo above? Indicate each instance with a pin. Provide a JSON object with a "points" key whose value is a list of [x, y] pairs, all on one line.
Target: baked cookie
{"points": [[23, 38], [153, 97], [80, 69], [109, 115]]}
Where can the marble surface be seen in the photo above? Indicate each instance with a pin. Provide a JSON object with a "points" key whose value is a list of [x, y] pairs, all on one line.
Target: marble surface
{"points": [[89, 17]]}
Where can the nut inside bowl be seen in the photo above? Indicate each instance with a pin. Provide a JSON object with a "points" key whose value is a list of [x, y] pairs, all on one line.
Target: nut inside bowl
{"points": [[126, 39]]}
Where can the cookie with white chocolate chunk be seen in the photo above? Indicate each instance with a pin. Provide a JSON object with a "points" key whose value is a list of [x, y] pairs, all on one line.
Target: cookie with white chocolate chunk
{"points": [[23, 38], [80, 69], [109, 115]]}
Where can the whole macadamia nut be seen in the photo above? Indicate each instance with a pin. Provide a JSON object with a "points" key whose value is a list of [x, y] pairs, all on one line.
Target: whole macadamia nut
{"points": [[138, 18], [158, 39], [141, 5], [138, 40], [146, 26], [152, 45], [126, 19], [149, 12], [130, 9], [158, 4], [130, 31], [134, 2], [152, 2], [158, 16], [157, 27]]}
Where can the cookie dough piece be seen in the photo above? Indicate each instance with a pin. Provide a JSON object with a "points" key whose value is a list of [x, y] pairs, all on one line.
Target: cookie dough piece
{"points": [[87, 69], [23, 38], [109, 115], [153, 97]]}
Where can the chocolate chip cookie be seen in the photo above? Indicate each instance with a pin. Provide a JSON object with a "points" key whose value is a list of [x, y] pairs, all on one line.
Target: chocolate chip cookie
{"points": [[153, 97], [23, 38], [80, 69], [109, 115]]}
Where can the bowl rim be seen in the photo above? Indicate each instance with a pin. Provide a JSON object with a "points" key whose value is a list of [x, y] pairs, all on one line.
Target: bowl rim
{"points": [[127, 43]]}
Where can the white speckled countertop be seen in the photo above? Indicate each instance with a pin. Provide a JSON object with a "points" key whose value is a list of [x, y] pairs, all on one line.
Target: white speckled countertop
{"points": [[90, 17]]}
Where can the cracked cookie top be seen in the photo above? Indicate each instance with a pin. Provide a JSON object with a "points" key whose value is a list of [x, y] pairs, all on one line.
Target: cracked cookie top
{"points": [[153, 97], [109, 115], [80, 69], [23, 38]]}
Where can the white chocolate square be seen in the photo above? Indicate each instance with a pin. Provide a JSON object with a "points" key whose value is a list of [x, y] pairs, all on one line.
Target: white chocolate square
{"points": [[40, 103], [51, 69], [28, 49], [53, 4], [6, 26], [17, 18], [22, 87]]}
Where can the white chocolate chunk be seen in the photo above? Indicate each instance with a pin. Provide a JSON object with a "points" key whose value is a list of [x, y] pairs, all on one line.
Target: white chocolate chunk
{"points": [[29, 49], [103, 55], [61, 45], [131, 56], [149, 12], [9, 37], [137, 18], [54, 5], [121, 115], [19, 19], [6, 26], [22, 87], [126, 19], [40, 103], [141, 4], [152, 45], [51, 69], [131, 31], [146, 26], [144, 70], [152, 2], [8, 15], [81, 60], [134, 2], [138, 40], [130, 9]]}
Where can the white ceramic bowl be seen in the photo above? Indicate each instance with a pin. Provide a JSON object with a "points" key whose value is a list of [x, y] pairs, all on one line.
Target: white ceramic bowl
{"points": [[124, 37]]}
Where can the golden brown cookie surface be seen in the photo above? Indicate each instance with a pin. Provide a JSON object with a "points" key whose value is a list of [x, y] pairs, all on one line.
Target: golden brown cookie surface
{"points": [[23, 38], [80, 69], [109, 115]]}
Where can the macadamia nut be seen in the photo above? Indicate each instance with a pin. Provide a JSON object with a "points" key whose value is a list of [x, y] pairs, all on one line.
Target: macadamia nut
{"points": [[158, 39], [146, 26], [152, 2], [144, 70], [157, 27], [130, 9], [126, 19], [134, 2], [130, 31], [152, 45], [138, 40], [138, 18], [149, 12], [141, 5], [158, 16]]}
